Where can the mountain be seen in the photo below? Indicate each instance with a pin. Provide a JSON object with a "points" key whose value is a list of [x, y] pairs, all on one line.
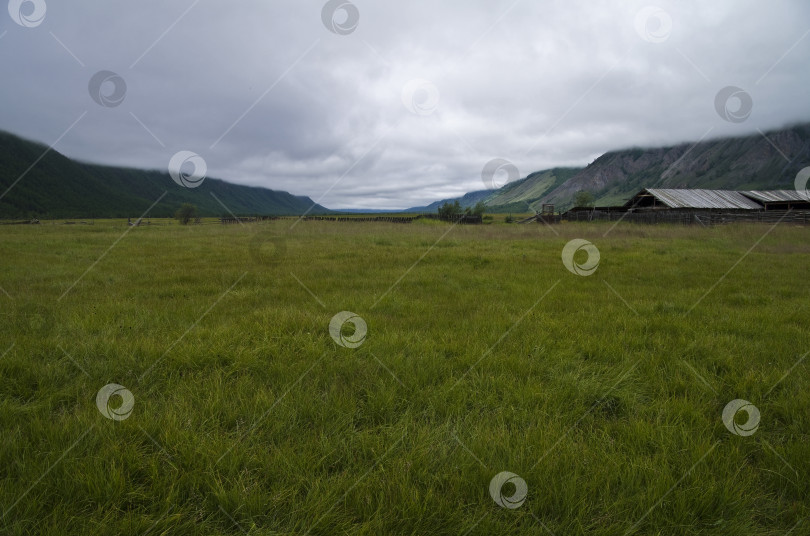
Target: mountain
{"points": [[58, 187], [767, 161], [526, 195], [522, 195], [363, 211], [763, 161], [467, 200]]}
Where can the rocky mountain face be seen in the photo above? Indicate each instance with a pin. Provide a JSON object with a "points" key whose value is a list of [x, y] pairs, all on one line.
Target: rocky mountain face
{"points": [[761, 161]]}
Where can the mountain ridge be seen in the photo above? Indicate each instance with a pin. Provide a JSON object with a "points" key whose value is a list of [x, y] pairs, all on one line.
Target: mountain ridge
{"points": [[60, 187], [761, 161], [467, 200]]}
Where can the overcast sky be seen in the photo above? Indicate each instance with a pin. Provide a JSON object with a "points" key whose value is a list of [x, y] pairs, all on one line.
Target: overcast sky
{"points": [[382, 104]]}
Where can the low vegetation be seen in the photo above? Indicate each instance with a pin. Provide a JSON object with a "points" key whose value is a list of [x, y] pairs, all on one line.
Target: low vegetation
{"points": [[583, 198], [483, 354], [450, 211], [186, 213]]}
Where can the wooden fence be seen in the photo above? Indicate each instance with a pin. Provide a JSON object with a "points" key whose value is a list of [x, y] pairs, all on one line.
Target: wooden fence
{"points": [[405, 218], [693, 217], [20, 222], [248, 219], [543, 218], [389, 219], [456, 218]]}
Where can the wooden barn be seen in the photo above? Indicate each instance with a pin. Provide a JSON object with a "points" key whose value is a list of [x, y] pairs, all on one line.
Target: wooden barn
{"points": [[671, 199], [780, 199], [687, 206]]}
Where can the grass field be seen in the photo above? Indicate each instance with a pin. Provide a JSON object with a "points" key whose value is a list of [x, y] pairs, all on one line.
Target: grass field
{"points": [[483, 354]]}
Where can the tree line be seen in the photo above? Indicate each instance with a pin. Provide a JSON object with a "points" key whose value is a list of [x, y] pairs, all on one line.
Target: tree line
{"points": [[450, 211]]}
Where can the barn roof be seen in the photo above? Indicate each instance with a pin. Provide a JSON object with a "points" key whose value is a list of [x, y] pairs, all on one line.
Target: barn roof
{"points": [[777, 196], [706, 199]]}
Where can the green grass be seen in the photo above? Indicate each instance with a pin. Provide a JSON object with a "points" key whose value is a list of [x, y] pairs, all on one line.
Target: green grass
{"points": [[249, 418]]}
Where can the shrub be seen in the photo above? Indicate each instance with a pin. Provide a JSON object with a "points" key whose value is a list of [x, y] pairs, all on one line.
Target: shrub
{"points": [[186, 213]]}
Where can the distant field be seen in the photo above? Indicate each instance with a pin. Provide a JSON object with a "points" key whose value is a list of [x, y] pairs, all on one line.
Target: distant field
{"points": [[490, 218], [603, 393]]}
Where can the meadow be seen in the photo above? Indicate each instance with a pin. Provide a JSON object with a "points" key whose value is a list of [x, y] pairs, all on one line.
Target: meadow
{"points": [[485, 389]]}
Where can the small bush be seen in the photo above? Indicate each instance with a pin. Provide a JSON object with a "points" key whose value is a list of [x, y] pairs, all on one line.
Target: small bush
{"points": [[186, 213]]}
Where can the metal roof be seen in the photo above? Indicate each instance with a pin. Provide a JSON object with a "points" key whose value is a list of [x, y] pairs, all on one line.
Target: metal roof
{"points": [[777, 196], [711, 199]]}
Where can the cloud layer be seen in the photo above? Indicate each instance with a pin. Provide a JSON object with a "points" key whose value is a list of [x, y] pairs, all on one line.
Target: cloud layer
{"points": [[385, 105]]}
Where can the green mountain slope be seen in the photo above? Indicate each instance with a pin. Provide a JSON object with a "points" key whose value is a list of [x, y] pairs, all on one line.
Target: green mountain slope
{"points": [[467, 200], [768, 161], [58, 187], [757, 162], [522, 195], [525, 195]]}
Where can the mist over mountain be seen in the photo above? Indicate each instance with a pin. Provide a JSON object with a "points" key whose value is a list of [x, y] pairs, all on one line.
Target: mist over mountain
{"points": [[59, 187], [761, 161]]}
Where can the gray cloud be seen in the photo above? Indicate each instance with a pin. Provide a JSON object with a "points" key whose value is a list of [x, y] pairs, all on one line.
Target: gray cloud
{"points": [[269, 96]]}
